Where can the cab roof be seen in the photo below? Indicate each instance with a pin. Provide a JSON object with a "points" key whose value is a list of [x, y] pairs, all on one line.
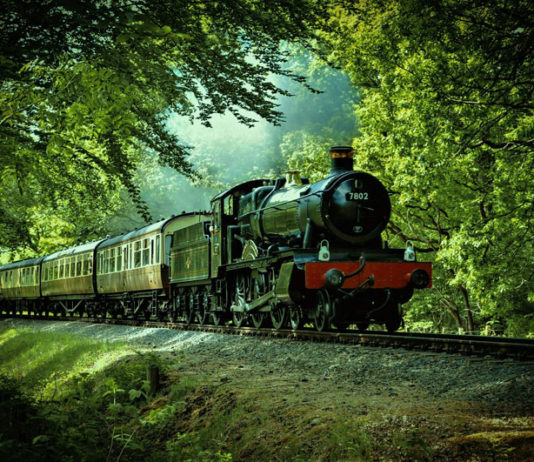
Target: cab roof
{"points": [[247, 186]]}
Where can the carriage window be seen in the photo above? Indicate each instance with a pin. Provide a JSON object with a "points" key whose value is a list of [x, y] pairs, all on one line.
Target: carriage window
{"points": [[112, 260], [78, 265], [85, 265], [146, 252], [168, 245], [90, 264], [72, 266], [119, 258], [61, 268], [125, 259], [106, 262], [152, 251], [158, 249], [56, 270], [137, 254]]}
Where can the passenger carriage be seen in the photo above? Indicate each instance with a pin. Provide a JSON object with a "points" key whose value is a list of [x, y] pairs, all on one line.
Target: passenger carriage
{"points": [[19, 286]]}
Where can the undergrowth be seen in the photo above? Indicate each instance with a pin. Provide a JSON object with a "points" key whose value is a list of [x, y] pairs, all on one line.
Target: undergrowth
{"points": [[72, 398]]}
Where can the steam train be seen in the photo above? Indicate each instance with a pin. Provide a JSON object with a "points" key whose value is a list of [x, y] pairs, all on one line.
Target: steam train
{"points": [[281, 251]]}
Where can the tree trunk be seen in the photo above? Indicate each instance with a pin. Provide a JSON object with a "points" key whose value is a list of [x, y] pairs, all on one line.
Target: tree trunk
{"points": [[453, 311], [470, 322]]}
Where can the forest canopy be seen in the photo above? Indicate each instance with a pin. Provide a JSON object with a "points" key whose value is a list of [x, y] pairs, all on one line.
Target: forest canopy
{"points": [[87, 87], [445, 118], [446, 123]]}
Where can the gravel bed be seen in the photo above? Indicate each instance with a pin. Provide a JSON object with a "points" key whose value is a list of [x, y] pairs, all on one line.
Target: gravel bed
{"points": [[493, 383]]}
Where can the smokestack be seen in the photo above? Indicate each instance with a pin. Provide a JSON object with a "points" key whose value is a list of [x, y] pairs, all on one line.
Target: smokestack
{"points": [[342, 159]]}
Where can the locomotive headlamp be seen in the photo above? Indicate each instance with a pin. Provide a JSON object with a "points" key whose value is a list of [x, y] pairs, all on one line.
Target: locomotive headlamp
{"points": [[419, 278]]}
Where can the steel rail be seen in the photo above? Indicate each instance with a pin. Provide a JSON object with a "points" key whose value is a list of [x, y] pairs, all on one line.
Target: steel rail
{"points": [[499, 347]]}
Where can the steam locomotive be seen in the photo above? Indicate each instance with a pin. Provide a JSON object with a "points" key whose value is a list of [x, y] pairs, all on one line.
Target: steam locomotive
{"points": [[283, 252]]}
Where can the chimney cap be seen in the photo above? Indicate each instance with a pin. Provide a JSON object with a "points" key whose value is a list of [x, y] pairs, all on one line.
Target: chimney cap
{"points": [[341, 152]]}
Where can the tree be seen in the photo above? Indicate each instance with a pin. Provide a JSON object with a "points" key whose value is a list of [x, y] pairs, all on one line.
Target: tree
{"points": [[87, 87], [446, 121]]}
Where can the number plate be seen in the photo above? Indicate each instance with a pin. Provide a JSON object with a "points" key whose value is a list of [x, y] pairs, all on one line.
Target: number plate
{"points": [[357, 196]]}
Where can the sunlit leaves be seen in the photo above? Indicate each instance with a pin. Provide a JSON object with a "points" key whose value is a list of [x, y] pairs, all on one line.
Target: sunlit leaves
{"points": [[447, 125], [86, 89]]}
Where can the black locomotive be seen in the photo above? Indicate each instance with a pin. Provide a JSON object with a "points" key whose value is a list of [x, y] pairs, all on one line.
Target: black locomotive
{"points": [[270, 252]]}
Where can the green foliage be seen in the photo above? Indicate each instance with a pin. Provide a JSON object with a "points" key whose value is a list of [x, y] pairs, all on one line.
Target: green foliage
{"points": [[72, 410], [186, 448], [446, 124], [349, 442], [86, 89], [412, 446]]}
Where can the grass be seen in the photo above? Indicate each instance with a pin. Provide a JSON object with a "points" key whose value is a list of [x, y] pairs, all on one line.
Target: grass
{"points": [[42, 361], [88, 400]]}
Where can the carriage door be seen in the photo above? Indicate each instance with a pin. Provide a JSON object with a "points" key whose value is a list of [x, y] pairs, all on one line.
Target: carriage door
{"points": [[216, 235]]}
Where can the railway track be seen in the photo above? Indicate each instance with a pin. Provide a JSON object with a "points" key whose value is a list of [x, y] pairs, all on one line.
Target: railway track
{"points": [[499, 347]]}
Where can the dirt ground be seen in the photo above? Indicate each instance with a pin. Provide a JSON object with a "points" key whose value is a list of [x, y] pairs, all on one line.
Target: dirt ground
{"points": [[387, 404]]}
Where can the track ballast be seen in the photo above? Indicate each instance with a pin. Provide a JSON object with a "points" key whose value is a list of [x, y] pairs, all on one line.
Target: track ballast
{"points": [[499, 347]]}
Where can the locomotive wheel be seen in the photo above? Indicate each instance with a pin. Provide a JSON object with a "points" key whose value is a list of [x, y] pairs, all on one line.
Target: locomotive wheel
{"points": [[295, 317], [171, 315], [259, 284], [189, 309], [240, 298], [394, 318], [215, 318], [238, 317], [188, 316], [278, 316], [201, 315], [258, 318], [203, 307], [175, 307], [322, 311]]}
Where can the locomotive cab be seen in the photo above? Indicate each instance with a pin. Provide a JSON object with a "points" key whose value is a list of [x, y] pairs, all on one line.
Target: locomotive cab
{"points": [[227, 242]]}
